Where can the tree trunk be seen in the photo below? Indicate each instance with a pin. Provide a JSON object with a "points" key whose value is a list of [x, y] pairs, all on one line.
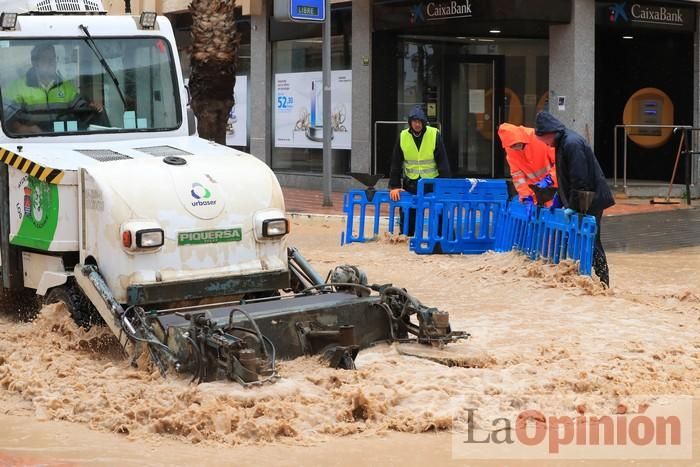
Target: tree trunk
{"points": [[213, 62]]}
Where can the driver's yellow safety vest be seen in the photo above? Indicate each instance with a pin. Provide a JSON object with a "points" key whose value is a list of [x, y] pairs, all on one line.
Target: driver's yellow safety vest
{"points": [[37, 97], [419, 163]]}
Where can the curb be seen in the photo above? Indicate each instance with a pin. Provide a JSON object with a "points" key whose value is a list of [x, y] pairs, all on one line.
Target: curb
{"points": [[311, 215]]}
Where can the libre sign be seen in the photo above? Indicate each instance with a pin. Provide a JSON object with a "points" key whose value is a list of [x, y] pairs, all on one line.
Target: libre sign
{"points": [[300, 10]]}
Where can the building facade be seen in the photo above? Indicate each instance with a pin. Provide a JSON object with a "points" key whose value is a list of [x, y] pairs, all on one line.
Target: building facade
{"points": [[471, 65]]}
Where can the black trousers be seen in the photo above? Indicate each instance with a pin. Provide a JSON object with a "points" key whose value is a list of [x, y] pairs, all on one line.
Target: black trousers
{"points": [[412, 187], [411, 231], [600, 262]]}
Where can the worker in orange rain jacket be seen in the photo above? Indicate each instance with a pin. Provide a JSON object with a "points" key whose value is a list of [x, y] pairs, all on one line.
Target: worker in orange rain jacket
{"points": [[531, 161]]}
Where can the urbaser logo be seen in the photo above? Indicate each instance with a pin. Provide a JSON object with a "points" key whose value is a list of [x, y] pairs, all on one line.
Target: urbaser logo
{"points": [[201, 195]]}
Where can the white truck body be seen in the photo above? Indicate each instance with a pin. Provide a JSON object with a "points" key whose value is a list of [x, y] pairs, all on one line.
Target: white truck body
{"points": [[77, 191]]}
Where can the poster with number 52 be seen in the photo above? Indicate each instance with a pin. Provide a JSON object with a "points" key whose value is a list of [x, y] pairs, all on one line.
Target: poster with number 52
{"points": [[299, 110]]}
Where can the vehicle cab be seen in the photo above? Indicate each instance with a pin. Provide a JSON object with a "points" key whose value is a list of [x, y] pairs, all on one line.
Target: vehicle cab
{"points": [[103, 165]]}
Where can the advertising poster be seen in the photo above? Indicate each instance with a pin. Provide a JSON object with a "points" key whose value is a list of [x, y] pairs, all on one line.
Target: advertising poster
{"points": [[299, 110], [237, 125]]}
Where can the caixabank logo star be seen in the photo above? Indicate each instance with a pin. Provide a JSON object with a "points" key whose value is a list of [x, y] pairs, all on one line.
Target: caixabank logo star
{"points": [[618, 12], [416, 14]]}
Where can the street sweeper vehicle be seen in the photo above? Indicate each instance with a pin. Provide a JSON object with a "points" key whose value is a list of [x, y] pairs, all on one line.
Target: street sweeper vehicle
{"points": [[112, 205]]}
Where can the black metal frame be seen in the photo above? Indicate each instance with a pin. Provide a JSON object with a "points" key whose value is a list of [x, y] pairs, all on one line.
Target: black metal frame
{"points": [[12, 271], [159, 292], [688, 165]]}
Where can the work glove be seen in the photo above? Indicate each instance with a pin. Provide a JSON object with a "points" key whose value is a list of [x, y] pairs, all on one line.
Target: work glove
{"points": [[473, 182], [556, 202], [395, 194], [546, 182]]}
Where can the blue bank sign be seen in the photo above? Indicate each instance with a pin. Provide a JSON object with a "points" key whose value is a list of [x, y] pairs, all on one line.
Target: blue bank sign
{"points": [[300, 10]]}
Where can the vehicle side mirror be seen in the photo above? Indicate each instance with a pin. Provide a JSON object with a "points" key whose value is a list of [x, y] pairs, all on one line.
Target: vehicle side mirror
{"points": [[189, 95], [191, 121]]}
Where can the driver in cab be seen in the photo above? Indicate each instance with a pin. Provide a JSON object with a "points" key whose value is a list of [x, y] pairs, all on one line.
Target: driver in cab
{"points": [[42, 96]]}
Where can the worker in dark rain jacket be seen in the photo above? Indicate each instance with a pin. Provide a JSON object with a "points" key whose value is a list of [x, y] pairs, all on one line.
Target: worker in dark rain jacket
{"points": [[578, 171], [419, 153]]}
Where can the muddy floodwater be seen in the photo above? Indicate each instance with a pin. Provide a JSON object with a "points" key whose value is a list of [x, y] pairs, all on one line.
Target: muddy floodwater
{"points": [[543, 338]]}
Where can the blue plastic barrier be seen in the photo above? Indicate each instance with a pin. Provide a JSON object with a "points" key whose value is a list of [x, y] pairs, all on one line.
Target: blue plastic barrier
{"points": [[550, 235], [448, 214], [457, 220], [518, 228], [567, 237], [356, 204]]}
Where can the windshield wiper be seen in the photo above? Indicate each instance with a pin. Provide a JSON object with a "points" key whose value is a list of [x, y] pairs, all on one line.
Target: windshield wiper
{"points": [[91, 43]]}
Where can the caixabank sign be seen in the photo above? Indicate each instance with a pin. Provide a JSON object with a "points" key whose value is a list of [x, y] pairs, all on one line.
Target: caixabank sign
{"points": [[392, 14], [432, 11], [629, 14]]}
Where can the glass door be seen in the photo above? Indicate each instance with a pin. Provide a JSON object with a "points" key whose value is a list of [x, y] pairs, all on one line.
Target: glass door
{"points": [[474, 89]]}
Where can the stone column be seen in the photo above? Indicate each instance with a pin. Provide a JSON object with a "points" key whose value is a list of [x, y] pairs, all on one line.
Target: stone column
{"points": [[260, 84], [572, 69], [361, 155]]}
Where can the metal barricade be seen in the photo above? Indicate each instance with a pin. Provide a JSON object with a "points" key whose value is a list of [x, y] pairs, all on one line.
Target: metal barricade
{"points": [[624, 157]]}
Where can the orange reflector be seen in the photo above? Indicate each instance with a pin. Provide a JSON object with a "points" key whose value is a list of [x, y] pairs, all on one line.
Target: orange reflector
{"points": [[126, 238]]}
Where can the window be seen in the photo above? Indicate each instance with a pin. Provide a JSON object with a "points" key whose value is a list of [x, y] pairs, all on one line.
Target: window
{"points": [[297, 122], [56, 86]]}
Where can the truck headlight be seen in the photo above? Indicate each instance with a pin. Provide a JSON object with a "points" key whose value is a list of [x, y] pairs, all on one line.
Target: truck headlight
{"points": [[147, 20], [142, 236], [270, 224], [150, 238], [275, 227], [8, 21]]}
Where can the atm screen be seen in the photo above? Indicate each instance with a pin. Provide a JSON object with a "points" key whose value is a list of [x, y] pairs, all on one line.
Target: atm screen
{"points": [[649, 113]]}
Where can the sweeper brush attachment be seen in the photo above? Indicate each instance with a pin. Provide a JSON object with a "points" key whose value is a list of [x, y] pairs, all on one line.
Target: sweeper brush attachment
{"points": [[244, 340]]}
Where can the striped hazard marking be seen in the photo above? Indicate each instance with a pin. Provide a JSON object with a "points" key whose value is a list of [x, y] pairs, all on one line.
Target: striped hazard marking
{"points": [[45, 174]]}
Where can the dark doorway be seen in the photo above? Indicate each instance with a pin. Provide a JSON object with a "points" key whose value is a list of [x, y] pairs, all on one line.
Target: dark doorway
{"points": [[627, 61], [474, 109]]}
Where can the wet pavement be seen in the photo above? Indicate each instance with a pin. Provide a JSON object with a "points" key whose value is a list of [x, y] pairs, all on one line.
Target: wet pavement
{"points": [[651, 232]]}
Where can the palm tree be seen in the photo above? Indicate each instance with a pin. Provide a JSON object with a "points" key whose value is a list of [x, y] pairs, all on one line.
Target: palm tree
{"points": [[213, 65]]}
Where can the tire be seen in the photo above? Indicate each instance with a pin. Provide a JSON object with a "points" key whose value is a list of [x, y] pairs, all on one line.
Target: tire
{"points": [[81, 310]]}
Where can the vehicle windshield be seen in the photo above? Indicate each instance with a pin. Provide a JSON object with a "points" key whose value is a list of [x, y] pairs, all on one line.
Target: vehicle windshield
{"points": [[55, 86]]}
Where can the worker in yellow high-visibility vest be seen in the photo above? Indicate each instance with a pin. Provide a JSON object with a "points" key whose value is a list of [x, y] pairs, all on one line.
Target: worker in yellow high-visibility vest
{"points": [[41, 98], [419, 153]]}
